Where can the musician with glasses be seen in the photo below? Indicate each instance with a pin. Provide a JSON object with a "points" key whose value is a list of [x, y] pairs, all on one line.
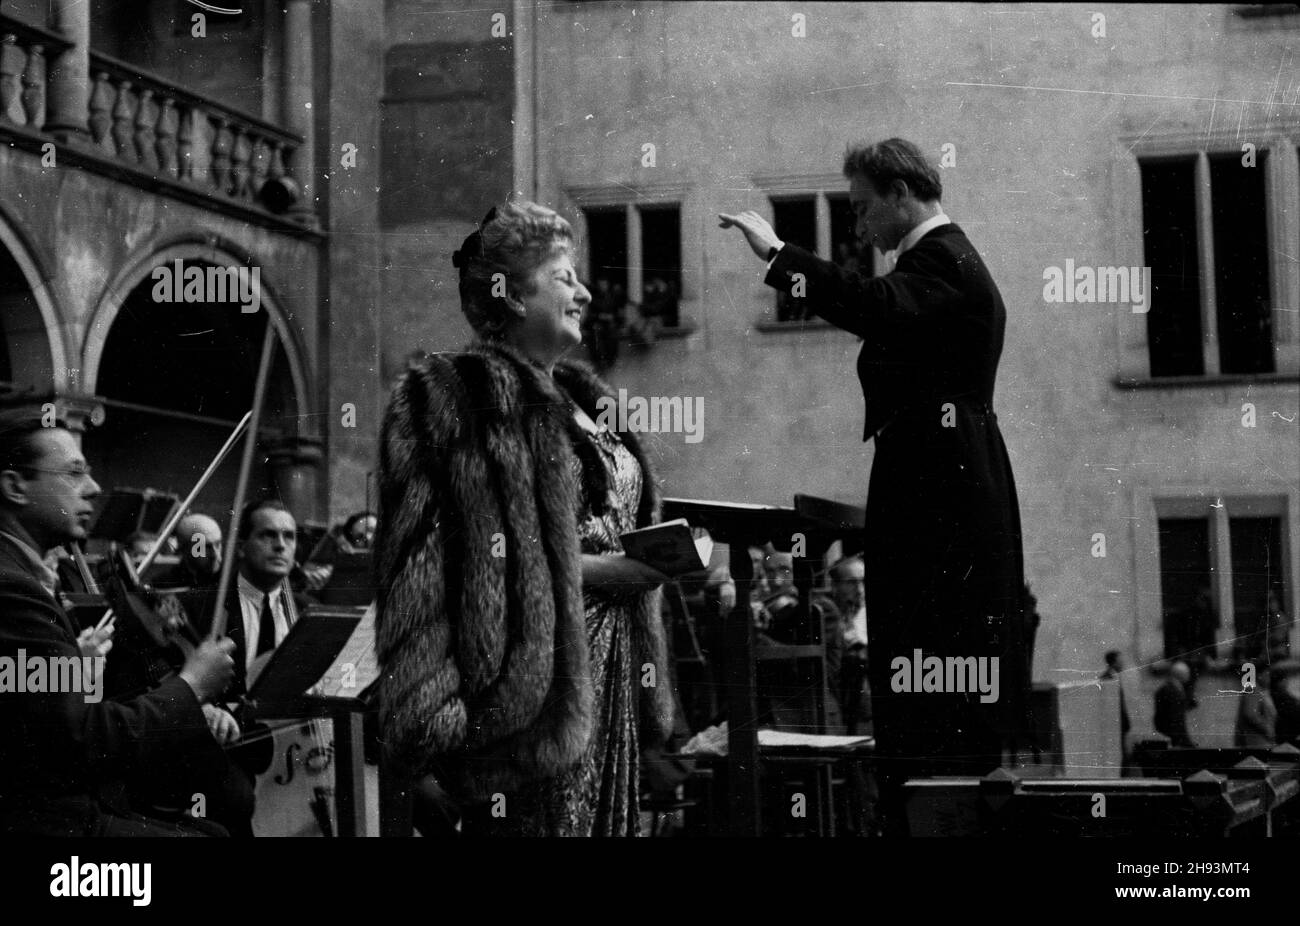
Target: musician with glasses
{"points": [[69, 759]]}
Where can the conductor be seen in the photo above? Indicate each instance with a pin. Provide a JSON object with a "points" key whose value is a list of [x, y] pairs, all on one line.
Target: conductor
{"points": [[943, 546]]}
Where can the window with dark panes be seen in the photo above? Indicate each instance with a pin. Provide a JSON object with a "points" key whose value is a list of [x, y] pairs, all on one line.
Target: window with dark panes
{"points": [[794, 220], [846, 251], [607, 251], [1169, 241], [1186, 585], [661, 263], [1257, 570], [1243, 307]]}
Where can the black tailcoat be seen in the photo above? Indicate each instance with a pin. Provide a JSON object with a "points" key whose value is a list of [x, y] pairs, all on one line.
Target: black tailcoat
{"points": [[944, 563]]}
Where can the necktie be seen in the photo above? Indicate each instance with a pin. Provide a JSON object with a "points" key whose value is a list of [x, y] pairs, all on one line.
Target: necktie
{"points": [[266, 627]]}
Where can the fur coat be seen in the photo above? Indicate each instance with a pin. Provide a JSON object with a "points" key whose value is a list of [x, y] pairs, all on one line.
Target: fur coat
{"points": [[480, 628]]}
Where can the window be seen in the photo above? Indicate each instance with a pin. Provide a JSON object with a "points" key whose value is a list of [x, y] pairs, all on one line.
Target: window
{"points": [[607, 253], [1169, 239], [661, 264], [634, 256], [1186, 585], [1222, 578], [1205, 236], [794, 221], [824, 224]]}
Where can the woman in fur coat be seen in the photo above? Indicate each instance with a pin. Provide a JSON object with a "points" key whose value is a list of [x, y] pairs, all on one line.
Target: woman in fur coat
{"points": [[522, 654]]}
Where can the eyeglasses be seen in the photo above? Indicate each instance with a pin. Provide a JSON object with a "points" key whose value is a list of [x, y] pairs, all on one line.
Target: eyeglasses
{"points": [[77, 471]]}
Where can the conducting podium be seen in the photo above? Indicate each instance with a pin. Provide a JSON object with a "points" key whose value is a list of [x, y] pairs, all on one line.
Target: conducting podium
{"points": [[805, 530]]}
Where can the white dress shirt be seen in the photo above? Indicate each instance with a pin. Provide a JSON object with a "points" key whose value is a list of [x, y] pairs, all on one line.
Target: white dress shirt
{"points": [[911, 238], [250, 604]]}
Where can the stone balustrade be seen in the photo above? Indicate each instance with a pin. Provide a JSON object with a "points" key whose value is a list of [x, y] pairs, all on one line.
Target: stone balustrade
{"points": [[155, 128], [24, 53]]}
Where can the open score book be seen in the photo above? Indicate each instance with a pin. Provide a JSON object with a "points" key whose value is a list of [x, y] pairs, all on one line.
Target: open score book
{"points": [[669, 547]]}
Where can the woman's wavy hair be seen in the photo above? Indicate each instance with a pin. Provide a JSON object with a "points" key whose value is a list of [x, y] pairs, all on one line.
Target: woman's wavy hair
{"points": [[513, 240]]}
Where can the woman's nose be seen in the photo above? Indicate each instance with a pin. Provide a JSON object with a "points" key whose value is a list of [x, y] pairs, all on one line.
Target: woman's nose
{"points": [[582, 295]]}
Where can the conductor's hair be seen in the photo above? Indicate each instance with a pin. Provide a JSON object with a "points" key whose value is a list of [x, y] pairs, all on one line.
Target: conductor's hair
{"points": [[512, 241], [246, 516], [894, 159]]}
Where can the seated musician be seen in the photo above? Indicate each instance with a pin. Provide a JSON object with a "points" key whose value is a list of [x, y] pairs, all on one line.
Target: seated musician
{"points": [[69, 757], [356, 534], [786, 627], [199, 538], [260, 609]]}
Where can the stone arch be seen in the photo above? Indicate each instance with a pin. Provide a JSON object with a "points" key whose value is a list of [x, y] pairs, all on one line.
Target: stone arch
{"points": [[191, 247], [31, 323]]}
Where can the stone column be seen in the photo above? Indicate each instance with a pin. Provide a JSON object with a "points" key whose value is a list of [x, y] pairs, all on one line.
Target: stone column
{"points": [[299, 117], [293, 463], [68, 83]]}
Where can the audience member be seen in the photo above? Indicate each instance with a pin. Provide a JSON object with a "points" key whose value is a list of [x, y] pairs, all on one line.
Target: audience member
{"points": [[1171, 705]]}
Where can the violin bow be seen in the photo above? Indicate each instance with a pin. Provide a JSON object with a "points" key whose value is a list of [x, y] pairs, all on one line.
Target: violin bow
{"points": [[219, 616], [184, 506]]}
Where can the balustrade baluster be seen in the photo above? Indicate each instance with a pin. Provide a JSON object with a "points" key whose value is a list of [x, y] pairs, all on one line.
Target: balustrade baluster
{"points": [[102, 97], [188, 143], [275, 167], [146, 117], [12, 59], [221, 143], [123, 115], [34, 87], [261, 163], [241, 154], [165, 138]]}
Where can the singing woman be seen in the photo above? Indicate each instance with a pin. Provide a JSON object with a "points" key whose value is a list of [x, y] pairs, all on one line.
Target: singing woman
{"points": [[521, 651]]}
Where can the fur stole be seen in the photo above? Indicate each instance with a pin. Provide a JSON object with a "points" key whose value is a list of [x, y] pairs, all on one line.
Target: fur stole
{"points": [[480, 628]]}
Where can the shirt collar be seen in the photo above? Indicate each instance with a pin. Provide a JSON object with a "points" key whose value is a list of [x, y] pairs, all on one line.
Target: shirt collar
{"points": [[254, 594], [911, 238], [47, 576]]}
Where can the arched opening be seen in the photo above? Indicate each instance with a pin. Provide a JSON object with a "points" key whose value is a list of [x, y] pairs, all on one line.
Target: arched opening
{"points": [[26, 357], [176, 377]]}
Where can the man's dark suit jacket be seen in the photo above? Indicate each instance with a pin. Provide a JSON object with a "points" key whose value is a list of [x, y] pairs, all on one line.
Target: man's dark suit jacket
{"points": [[944, 563], [65, 762], [198, 603]]}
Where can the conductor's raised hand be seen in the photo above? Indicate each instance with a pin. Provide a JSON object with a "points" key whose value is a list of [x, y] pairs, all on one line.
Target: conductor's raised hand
{"points": [[757, 231]]}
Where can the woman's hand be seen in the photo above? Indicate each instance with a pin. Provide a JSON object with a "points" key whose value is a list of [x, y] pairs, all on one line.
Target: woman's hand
{"points": [[619, 573]]}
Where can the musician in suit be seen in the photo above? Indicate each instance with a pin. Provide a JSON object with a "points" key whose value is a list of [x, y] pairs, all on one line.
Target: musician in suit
{"points": [[260, 607], [69, 758], [200, 554], [943, 548]]}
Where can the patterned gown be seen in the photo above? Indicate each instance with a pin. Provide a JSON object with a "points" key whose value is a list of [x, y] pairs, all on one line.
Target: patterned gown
{"points": [[599, 795]]}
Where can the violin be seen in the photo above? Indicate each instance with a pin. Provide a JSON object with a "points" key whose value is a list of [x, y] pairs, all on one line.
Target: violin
{"points": [[145, 650]]}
